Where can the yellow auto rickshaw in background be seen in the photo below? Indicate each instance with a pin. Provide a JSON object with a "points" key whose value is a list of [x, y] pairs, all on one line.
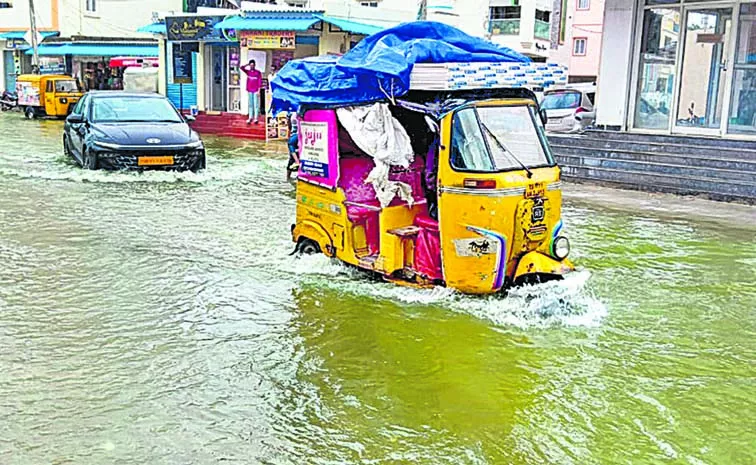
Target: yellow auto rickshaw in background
{"points": [[476, 206], [47, 95]]}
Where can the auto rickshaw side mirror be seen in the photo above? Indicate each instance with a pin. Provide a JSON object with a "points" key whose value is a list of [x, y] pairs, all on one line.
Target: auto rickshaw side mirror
{"points": [[544, 116]]}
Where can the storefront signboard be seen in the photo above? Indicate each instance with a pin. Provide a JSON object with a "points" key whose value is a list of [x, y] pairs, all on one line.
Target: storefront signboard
{"points": [[268, 40], [52, 65], [182, 65], [193, 28], [15, 44]]}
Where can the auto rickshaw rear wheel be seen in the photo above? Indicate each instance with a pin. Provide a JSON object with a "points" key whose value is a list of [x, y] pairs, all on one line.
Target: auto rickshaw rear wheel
{"points": [[309, 247], [30, 113]]}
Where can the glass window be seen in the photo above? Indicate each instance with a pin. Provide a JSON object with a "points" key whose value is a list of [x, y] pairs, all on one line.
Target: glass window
{"points": [[469, 151], [133, 110], [656, 77], [66, 86], [584, 5], [492, 139], [91, 5], [505, 12], [78, 109], [561, 101], [743, 107], [579, 46], [49, 86]]}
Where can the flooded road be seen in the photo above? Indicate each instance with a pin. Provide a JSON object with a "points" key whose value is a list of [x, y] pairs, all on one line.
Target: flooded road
{"points": [[157, 318]]}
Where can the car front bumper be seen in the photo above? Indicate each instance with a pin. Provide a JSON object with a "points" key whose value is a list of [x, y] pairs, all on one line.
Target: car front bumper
{"points": [[183, 160]]}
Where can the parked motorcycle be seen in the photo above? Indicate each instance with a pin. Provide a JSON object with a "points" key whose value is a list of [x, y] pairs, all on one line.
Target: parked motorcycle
{"points": [[8, 101]]}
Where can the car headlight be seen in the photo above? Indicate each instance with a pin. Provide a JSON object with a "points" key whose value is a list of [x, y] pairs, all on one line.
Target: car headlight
{"points": [[560, 248], [105, 145], [195, 145]]}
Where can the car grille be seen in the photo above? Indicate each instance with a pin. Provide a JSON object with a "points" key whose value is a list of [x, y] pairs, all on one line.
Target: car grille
{"points": [[182, 160]]}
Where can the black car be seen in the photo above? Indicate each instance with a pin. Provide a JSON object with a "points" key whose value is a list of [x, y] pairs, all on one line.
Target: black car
{"points": [[117, 130]]}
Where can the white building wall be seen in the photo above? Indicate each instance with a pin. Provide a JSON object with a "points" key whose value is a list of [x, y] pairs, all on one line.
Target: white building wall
{"points": [[116, 19], [616, 63], [17, 17]]}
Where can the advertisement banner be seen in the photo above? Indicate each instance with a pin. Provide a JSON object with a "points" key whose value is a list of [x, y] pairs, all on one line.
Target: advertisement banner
{"points": [[314, 152], [191, 28], [28, 94], [182, 65], [268, 40]]}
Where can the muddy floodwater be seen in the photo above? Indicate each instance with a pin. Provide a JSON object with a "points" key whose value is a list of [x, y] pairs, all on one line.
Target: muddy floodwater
{"points": [[158, 319]]}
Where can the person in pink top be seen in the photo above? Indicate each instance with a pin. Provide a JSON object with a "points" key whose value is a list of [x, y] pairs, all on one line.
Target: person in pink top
{"points": [[254, 83]]}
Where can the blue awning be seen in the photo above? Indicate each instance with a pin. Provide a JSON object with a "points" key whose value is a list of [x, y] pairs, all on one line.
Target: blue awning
{"points": [[97, 50], [261, 23], [351, 26], [154, 28], [20, 34]]}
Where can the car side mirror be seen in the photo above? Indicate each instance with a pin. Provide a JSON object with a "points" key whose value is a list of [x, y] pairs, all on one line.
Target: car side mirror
{"points": [[544, 116], [190, 118], [75, 119]]}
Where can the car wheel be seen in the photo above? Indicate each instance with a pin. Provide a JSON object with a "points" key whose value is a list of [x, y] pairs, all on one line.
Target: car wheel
{"points": [[30, 113], [89, 159], [66, 149]]}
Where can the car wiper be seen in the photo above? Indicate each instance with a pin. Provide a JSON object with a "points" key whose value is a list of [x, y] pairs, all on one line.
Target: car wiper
{"points": [[506, 150]]}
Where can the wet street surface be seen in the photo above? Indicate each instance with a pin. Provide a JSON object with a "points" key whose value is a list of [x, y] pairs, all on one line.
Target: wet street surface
{"points": [[158, 318]]}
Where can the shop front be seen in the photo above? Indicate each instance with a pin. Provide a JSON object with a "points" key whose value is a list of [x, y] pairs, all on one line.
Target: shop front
{"points": [[91, 62], [14, 60], [692, 70]]}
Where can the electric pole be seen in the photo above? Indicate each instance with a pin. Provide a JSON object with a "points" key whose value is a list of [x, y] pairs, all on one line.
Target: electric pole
{"points": [[33, 24]]}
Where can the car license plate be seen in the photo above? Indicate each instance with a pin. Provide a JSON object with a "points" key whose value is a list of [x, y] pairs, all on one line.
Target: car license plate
{"points": [[147, 161], [536, 189]]}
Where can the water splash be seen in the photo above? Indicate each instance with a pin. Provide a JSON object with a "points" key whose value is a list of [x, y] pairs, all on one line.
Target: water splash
{"points": [[558, 303]]}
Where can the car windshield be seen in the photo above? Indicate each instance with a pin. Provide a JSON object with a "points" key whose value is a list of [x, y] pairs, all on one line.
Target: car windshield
{"points": [[133, 110], [492, 139], [561, 101], [66, 86]]}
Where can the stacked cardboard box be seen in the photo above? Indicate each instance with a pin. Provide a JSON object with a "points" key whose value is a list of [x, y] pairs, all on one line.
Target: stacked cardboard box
{"points": [[453, 76]]}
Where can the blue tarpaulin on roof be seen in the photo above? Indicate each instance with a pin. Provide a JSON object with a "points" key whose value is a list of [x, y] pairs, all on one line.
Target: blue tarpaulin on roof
{"points": [[97, 50], [271, 23], [380, 66]]}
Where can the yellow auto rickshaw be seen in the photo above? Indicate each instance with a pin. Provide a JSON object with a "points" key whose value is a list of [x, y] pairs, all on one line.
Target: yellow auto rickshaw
{"points": [[475, 205], [52, 95]]}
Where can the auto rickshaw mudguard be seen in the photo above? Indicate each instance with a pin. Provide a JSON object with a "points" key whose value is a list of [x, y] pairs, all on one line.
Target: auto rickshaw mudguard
{"points": [[538, 267], [311, 230]]}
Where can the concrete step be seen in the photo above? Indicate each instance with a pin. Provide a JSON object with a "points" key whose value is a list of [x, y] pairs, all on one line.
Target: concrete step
{"points": [[588, 142], [639, 180], [704, 162], [660, 168], [698, 141]]}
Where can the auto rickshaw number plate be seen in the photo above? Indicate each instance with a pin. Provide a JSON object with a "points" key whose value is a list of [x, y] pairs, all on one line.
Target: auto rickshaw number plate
{"points": [[147, 161], [536, 189]]}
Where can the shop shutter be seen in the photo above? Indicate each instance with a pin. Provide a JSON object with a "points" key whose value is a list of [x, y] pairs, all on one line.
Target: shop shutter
{"points": [[189, 90]]}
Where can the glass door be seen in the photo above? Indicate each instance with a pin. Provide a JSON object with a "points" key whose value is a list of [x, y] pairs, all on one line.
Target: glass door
{"points": [[703, 71], [743, 104]]}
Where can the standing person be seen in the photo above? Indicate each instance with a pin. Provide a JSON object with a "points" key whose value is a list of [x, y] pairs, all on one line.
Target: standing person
{"points": [[254, 83], [293, 164]]}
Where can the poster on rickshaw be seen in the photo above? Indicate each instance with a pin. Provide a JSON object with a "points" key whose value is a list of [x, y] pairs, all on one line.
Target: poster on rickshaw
{"points": [[28, 94], [314, 150]]}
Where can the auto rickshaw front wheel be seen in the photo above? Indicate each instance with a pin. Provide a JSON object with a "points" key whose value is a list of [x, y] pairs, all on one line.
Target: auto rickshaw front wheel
{"points": [[30, 113]]}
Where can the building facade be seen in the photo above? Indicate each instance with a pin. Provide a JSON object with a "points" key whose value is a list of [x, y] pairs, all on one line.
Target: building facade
{"points": [[79, 37], [577, 32], [680, 68]]}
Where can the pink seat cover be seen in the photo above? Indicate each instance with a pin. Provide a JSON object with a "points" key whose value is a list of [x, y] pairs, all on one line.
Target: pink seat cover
{"points": [[428, 249]]}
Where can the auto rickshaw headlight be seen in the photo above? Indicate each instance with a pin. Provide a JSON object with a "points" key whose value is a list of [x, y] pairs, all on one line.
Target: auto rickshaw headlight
{"points": [[560, 248], [63, 100]]}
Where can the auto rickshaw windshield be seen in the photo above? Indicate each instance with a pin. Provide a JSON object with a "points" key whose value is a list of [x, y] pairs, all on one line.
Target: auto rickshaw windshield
{"points": [[494, 139], [66, 86]]}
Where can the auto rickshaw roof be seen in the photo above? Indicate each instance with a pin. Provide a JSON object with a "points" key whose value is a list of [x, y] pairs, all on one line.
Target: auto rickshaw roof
{"points": [[379, 67]]}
